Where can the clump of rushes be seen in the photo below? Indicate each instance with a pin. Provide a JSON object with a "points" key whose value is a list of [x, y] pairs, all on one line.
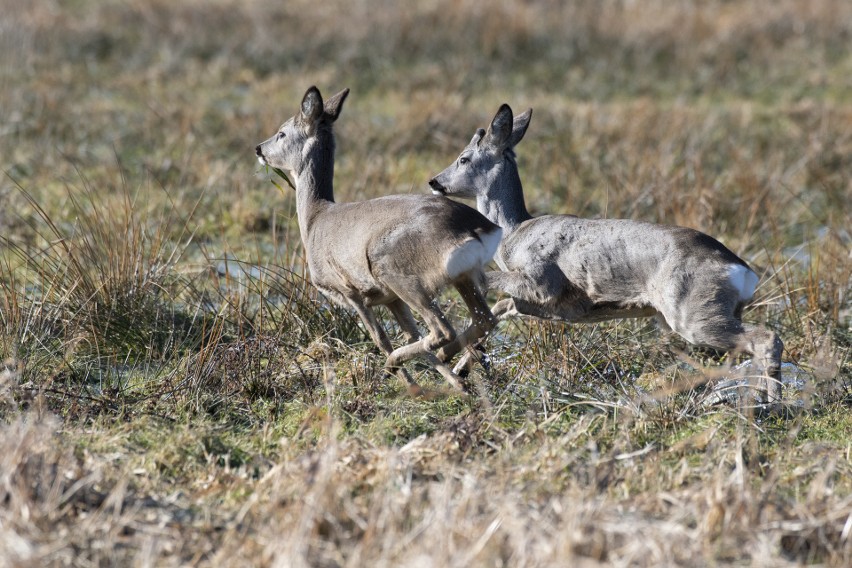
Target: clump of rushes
{"points": [[99, 295], [105, 304]]}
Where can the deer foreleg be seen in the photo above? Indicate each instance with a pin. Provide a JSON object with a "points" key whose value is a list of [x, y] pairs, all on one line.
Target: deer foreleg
{"points": [[380, 338]]}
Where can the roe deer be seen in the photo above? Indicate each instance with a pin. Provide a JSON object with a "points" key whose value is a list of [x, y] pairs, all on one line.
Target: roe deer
{"points": [[399, 251], [561, 267]]}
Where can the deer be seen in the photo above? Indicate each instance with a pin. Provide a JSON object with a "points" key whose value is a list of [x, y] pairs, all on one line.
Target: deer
{"points": [[576, 270], [398, 251]]}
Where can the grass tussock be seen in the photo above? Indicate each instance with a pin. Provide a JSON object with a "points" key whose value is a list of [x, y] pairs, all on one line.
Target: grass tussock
{"points": [[173, 391]]}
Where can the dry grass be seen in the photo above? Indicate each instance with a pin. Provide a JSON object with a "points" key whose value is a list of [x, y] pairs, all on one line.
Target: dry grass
{"points": [[174, 392]]}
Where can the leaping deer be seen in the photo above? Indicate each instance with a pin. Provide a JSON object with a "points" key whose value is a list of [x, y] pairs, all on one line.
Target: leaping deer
{"points": [[397, 251], [562, 267]]}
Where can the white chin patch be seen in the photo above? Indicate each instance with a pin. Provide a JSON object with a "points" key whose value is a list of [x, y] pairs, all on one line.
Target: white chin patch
{"points": [[436, 192], [261, 160]]}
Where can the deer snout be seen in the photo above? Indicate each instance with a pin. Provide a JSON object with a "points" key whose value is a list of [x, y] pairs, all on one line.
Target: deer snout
{"points": [[260, 157], [437, 188]]}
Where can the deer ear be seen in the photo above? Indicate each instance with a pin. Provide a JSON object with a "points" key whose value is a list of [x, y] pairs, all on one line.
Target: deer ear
{"points": [[480, 132], [519, 127], [312, 107], [334, 105], [498, 133]]}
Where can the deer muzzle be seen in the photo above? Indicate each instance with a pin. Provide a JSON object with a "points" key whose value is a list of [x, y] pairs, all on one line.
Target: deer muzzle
{"points": [[437, 188]]}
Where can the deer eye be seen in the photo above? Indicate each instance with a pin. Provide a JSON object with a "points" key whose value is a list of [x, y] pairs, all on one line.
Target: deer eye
{"points": [[280, 136], [464, 161]]}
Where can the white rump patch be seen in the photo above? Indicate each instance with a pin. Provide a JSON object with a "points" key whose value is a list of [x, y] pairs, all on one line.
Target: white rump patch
{"points": [[473, 253], [743, 279]]}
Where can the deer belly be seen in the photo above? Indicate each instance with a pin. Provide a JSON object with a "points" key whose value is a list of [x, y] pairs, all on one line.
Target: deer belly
{"points": [[616, 310], [332, 278]]}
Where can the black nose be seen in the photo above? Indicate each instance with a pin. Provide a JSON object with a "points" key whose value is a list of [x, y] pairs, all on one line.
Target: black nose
{"points": [[436, 185], [258, 151]]}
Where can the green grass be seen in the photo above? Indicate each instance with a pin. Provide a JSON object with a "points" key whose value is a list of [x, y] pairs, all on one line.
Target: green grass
{"points": [[173, 391]]}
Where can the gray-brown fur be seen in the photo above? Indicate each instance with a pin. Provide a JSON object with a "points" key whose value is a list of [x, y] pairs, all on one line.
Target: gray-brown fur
{"points": [[562, 267], [399, 251]]}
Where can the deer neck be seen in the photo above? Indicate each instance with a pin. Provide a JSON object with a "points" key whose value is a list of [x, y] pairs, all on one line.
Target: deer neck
{"points": [[315, 184], [503, 202]]}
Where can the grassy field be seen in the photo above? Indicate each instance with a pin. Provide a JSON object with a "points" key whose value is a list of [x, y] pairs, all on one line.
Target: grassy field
{"points": [[174, 392]]}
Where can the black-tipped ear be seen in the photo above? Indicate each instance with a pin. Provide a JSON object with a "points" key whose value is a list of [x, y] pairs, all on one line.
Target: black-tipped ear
{"points": [[312, 107], [334, 105], [498, 133], [519, 127]]}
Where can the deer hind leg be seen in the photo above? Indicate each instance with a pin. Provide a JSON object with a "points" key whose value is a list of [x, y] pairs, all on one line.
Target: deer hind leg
{"points": [[502, 310], [525, 295], [766, 348], [482, 320], [406, 321], [728, 333], [440, 333]]}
